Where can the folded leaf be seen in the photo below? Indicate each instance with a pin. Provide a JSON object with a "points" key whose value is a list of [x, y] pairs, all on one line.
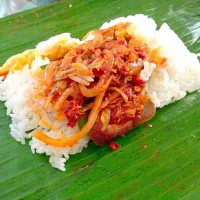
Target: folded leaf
{"points": [[162, 162]]}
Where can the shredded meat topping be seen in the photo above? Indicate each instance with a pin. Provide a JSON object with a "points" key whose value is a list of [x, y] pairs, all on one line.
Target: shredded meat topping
{"points": [[104, 70]]}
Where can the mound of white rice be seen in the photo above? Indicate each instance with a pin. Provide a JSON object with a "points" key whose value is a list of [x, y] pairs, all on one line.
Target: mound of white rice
{"points": [[178, 75], [16, 91]]}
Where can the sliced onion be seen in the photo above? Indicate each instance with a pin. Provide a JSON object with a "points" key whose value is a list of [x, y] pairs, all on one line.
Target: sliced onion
{"points": [[101, 86], [148, 112], [113, 96], [125, 97], [109, 59], [58, 87], [96, 42], [88, 107], [97, 63], [105, 118], [60, 102]]}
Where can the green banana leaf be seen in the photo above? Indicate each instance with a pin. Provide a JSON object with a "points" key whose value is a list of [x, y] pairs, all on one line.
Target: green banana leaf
{"points": [[162, 162]]}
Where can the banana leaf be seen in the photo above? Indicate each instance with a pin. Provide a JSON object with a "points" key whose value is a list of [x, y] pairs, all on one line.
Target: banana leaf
{"points": [[162, 162]]}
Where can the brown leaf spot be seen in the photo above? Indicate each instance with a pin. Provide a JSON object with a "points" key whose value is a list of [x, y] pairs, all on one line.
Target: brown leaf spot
{"points": [[143, 134], [182, 150], [121, 196], [158, 154], [160, 183], [134, 184], [143, 146], [17, 21]]}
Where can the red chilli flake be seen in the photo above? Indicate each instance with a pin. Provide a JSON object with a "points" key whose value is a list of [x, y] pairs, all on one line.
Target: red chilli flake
{"points": [[114, 145], [137, 81], [121, 42], [129, 92], [72, 113], [101, 71]]}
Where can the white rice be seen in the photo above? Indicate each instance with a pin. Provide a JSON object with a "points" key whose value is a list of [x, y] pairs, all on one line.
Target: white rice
{"points": [[178, 75], [16, 91]]}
